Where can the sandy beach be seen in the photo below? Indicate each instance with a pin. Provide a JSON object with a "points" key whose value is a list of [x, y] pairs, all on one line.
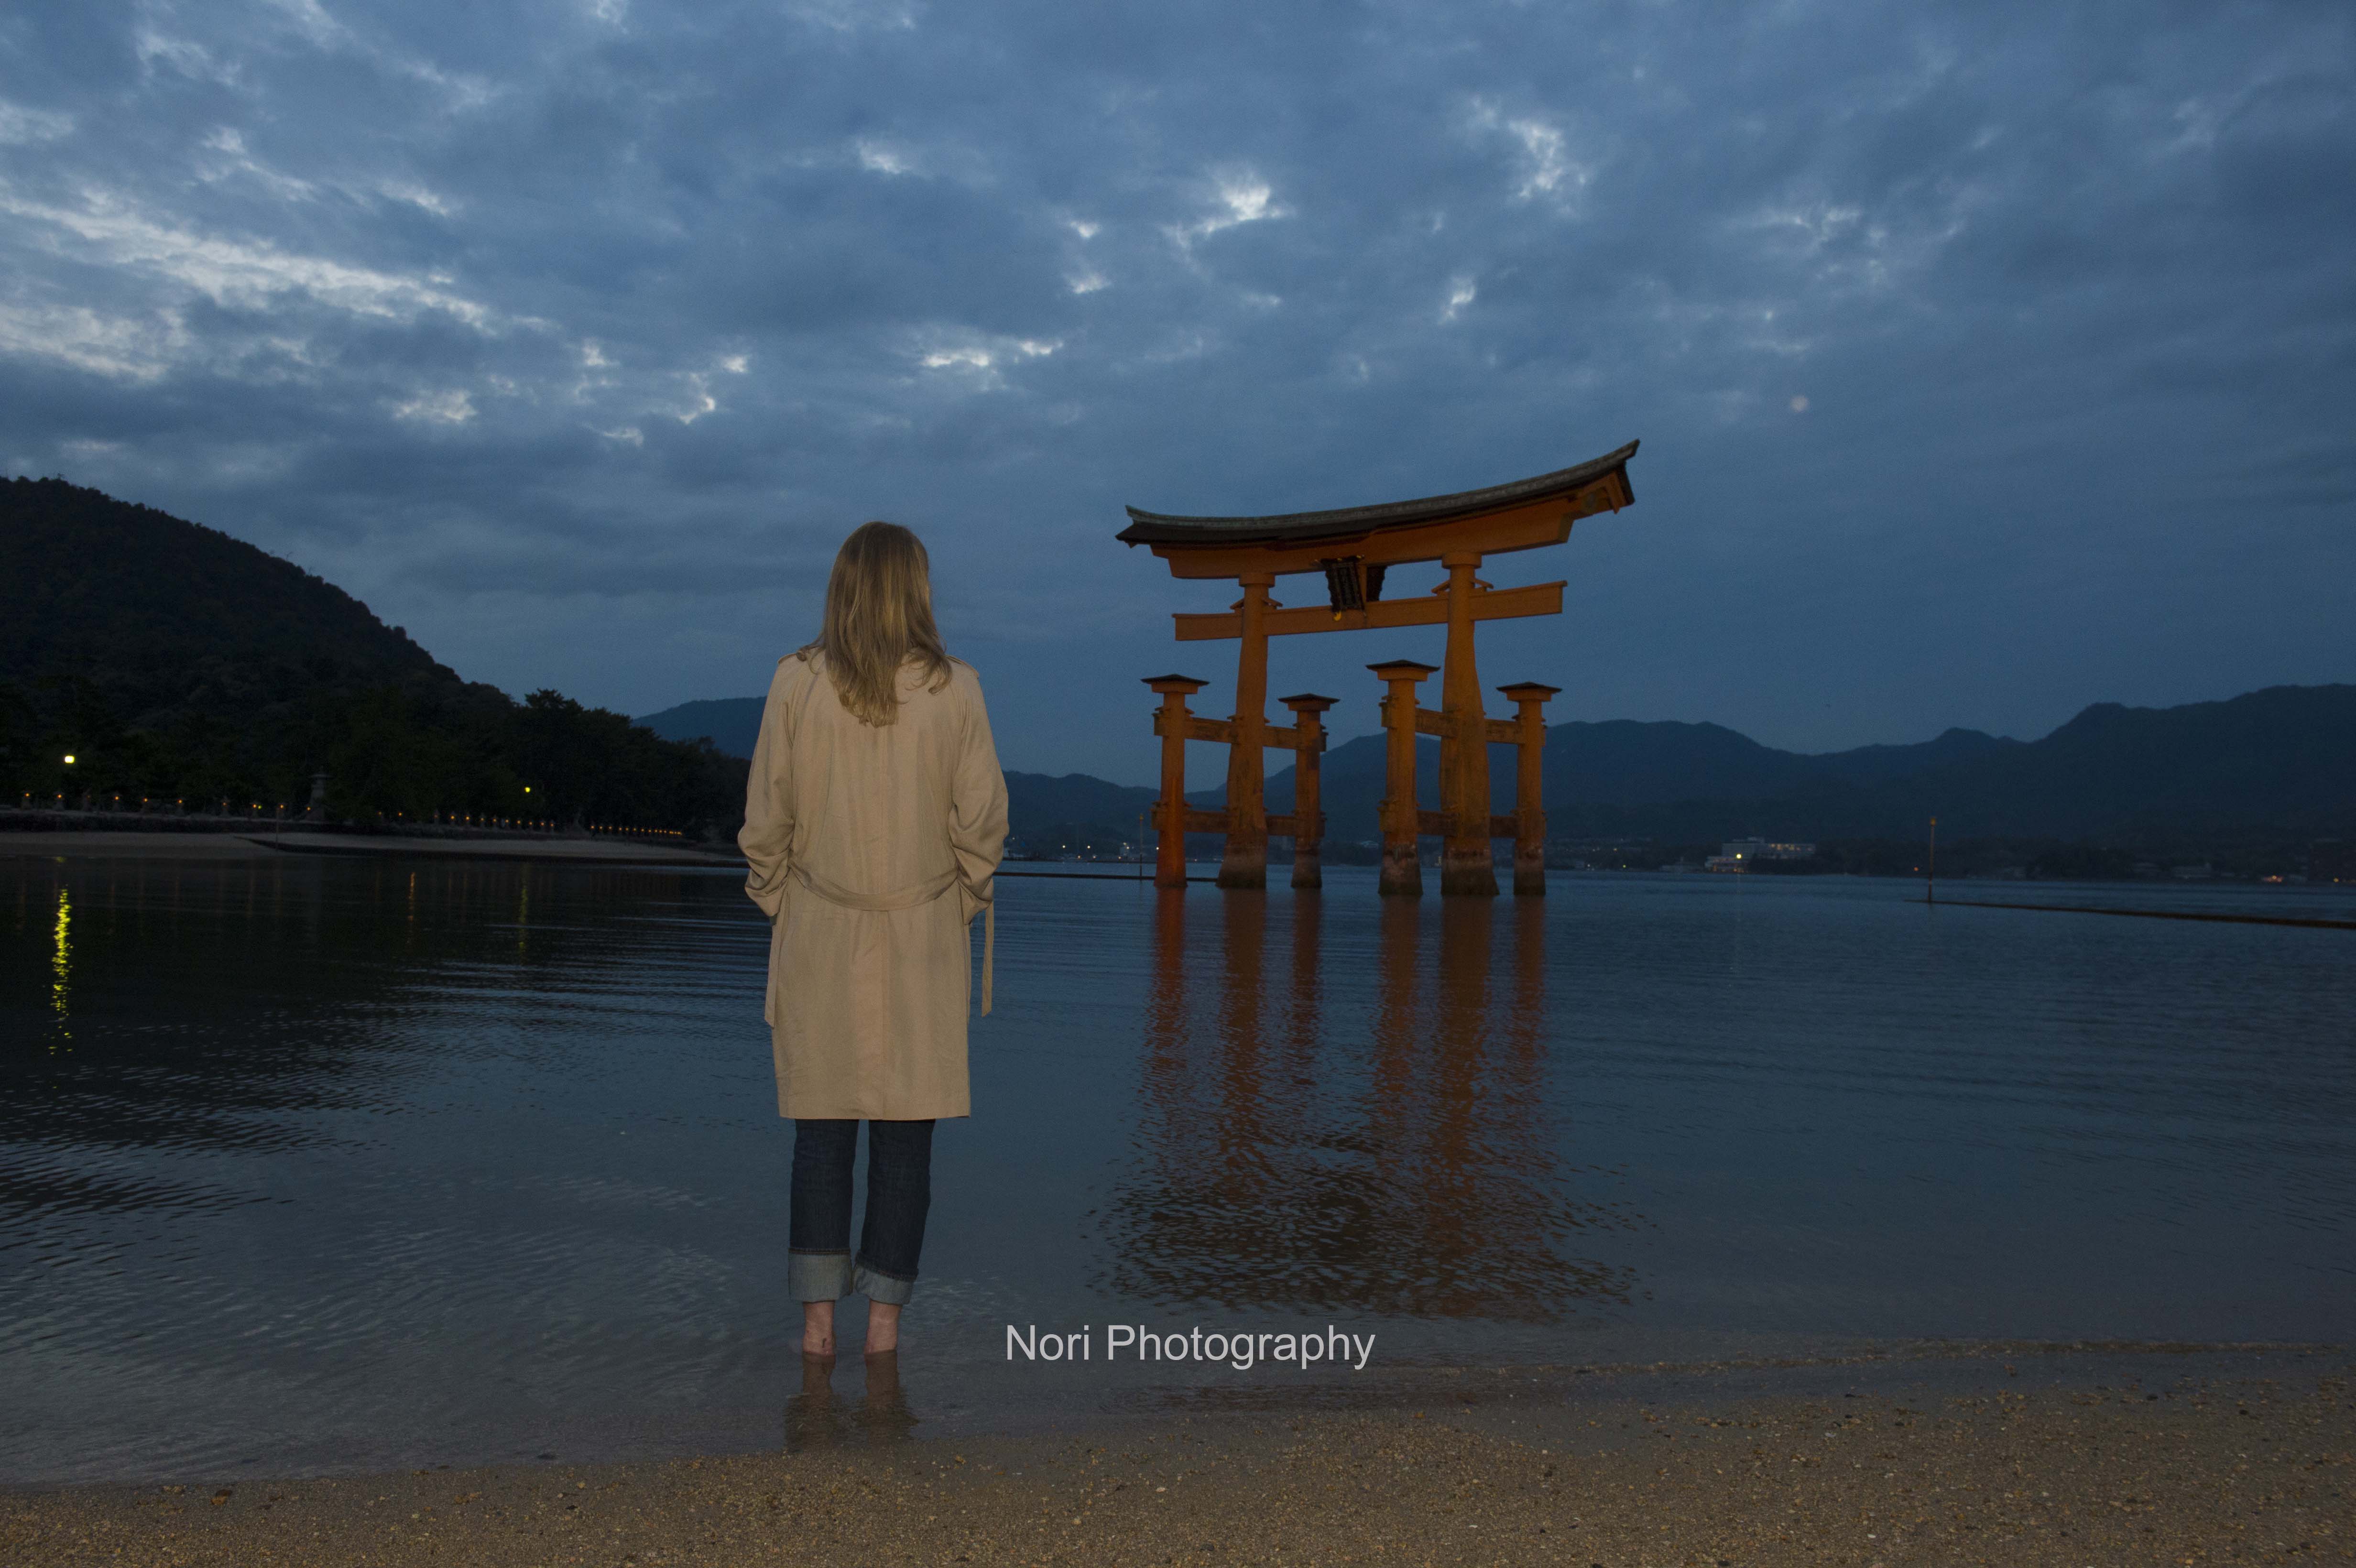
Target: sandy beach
{"points": [[98, 844], [102, 846], [2165, 1461]]}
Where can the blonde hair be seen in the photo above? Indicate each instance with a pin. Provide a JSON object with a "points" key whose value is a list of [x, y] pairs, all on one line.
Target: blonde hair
{"points": [[879, 619]]}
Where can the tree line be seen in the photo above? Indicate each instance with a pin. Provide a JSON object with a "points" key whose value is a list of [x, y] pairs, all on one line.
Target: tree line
{"points": [[408, 752]]}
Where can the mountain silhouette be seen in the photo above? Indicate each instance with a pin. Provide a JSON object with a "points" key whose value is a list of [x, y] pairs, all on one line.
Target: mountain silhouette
{"points": [[2281, 759]]}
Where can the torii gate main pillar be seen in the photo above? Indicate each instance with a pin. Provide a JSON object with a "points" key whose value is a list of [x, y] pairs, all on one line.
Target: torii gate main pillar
{"points": [[1244, 862], [1466, 863]]}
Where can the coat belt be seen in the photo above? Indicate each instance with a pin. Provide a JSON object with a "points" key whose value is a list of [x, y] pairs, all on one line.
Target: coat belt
{"points": [[924, 893]]}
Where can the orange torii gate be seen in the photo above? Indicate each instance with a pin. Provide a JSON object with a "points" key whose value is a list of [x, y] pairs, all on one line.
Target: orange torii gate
{"points": [[1353, 548]]}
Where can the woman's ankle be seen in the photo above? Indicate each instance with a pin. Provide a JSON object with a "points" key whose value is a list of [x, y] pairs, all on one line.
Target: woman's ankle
{"points": [[817, 1328], [882, 1328]]}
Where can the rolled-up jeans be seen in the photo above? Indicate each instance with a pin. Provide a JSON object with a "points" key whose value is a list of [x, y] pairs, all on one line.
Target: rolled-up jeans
{"points": [[818, 1266]]}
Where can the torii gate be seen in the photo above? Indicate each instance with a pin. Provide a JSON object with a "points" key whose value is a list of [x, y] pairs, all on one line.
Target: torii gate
{"points": [[1353, 548]]}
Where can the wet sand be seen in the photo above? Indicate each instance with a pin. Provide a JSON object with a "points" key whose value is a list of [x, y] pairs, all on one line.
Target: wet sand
{"points": [[2157, 1464]]}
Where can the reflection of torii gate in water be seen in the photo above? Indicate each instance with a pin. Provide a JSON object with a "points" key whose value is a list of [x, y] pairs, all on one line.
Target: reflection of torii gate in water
{"points": [[1353, 548]]}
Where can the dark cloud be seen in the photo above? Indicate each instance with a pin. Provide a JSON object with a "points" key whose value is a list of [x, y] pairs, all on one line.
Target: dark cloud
{"points": [[1989, 361]]}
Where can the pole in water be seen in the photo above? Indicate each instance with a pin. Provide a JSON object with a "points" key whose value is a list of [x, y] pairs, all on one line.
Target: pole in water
{"points": [[1931, 884]]}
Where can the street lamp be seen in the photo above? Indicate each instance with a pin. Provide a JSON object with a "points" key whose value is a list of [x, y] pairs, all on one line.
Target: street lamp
{"points": [[69, 759]]}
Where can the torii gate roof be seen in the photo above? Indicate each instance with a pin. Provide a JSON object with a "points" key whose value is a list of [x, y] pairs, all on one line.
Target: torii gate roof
{"points": [[1600, 483]]}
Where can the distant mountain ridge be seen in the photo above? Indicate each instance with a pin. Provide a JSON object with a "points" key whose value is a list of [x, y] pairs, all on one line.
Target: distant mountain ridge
{"points": [[2283, 758], [730, 723]]}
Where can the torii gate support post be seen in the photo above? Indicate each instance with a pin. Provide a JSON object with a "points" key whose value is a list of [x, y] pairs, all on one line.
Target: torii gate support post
{"points": [[1467, 866], [1308, 803], [1244, 863], [1402, 872], [1529, 801], [1170, 812]]}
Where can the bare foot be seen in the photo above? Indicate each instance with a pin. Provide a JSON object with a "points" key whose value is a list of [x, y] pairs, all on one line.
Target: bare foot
{"points": [[882, 1328], [817, 1328]]}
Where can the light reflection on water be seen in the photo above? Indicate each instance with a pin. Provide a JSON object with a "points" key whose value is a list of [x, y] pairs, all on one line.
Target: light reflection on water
{"points": [[316, 1162], [1408, 1167], [62, 971]]}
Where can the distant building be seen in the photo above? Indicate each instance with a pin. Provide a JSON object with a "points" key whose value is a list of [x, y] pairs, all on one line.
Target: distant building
{"points": [[1739, 854], [2332, 861]]}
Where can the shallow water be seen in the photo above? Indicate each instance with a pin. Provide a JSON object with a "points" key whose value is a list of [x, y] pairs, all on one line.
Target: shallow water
{"points": [[319, 1163]]}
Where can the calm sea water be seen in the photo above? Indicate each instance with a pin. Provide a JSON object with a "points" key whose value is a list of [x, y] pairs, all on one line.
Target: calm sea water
{"points": [[317, 1163]]}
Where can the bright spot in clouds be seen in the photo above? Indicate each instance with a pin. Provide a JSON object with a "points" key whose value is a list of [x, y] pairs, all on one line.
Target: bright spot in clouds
{"points": [[1547, 166], [113, 231], [1242, 198], [1247, 201], [979, 359], [1800, 405], [20, 127], [417, 196], [128, 347], [437, 407]]}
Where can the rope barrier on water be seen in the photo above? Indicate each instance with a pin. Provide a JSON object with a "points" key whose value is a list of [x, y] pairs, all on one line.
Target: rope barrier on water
{"points": [[2154, 913]]}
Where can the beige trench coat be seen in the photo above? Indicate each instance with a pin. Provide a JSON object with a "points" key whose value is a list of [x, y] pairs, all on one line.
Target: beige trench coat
{"points": [[867, 1005]]}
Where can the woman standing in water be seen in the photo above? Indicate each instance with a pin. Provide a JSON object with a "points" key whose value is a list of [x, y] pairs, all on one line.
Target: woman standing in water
{"points": [[873, 821]]}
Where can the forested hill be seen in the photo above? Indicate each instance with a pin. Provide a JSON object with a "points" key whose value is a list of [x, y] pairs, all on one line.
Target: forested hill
{"points": [[176, 662], [166, 618]]}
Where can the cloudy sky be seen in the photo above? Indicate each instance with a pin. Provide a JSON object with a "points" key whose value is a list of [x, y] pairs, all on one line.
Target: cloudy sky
{"points": [[1989, 361]]}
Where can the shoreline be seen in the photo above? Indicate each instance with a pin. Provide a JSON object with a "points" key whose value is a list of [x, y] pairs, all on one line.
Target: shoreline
{"points": [[261, 844], [164, 837], [2102, 1455]]}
